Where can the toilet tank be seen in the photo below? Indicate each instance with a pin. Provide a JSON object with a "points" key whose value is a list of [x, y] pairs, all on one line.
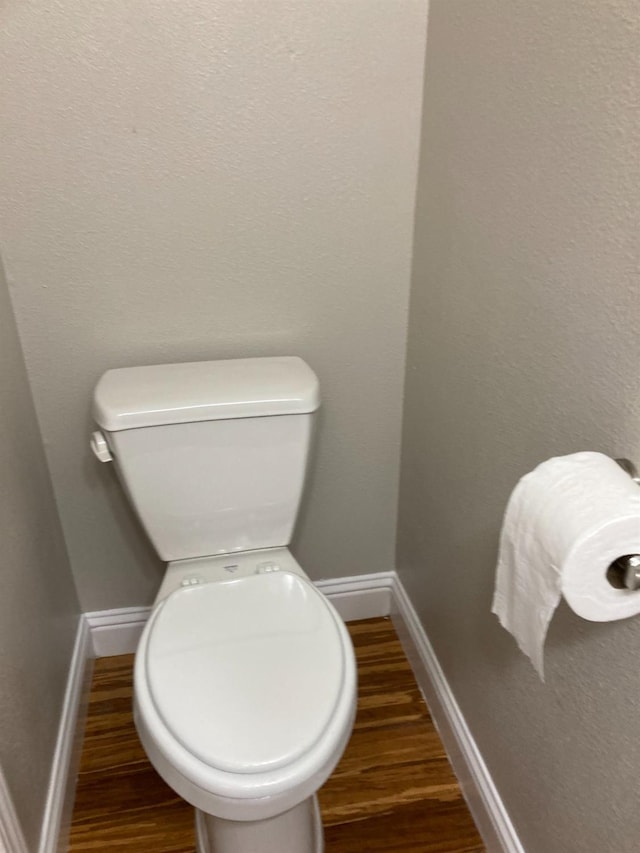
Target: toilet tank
{"points": [[211, 454]]}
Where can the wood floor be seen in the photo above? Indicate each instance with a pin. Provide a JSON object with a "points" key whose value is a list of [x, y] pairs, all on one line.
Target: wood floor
{"points": [[393, 791]]}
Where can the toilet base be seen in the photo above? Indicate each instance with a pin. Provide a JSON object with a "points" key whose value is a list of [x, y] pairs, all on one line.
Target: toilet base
{"points": [[298, 830]]}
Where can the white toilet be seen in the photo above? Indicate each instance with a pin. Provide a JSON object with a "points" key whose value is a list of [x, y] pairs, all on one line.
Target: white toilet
{"points": [[245, 678]]}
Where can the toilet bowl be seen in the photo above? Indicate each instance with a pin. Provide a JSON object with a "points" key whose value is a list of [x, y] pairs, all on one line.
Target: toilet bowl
{"points": [[244, 700], [245, 676]]}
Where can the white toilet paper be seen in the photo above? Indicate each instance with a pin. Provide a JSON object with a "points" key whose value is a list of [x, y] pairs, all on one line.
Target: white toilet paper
{"points": [[565, 523]]}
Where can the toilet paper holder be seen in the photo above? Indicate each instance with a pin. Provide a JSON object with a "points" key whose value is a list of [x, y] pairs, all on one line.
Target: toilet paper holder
{"points": [[628, 466], [624, 573]]}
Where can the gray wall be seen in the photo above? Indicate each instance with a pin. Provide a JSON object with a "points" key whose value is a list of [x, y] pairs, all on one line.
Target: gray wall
{"points": [[38, 605], [524, 344], [212, 179]]}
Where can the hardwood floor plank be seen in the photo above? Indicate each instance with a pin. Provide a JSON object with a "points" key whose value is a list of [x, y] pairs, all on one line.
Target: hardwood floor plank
{"points": [[412, 828], [393, 792]]}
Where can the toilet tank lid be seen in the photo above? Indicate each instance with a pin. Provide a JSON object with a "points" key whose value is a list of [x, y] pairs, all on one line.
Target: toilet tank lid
{"points": [[156, 395]]}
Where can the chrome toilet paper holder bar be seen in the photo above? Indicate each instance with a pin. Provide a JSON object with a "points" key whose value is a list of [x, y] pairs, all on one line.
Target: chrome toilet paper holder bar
{"points": [[628, 466], [624, 573]]}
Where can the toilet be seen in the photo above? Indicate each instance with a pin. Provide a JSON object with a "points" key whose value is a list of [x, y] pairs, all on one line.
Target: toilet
{"points": [[245, 677]]}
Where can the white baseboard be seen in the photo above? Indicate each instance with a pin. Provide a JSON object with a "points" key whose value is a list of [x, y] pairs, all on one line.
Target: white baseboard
{"points": [[483, 799], [11, 837], [360, 596], [62, 783], [117, 632]]}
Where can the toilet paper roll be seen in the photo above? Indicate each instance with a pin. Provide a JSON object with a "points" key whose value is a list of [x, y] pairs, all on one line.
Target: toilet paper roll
{"points": [[565, 523]]}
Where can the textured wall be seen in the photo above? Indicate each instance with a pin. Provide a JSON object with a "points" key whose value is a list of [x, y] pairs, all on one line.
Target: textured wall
{"points": [[38, 605], [211, 179], [523, 344]]}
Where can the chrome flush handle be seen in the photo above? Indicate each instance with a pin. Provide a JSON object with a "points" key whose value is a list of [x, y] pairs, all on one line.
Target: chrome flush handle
{"points": [[98, 444]]}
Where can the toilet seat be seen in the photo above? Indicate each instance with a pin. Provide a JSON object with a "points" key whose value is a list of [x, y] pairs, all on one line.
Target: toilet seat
{"points": [[215, 699], [249, 694]]}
